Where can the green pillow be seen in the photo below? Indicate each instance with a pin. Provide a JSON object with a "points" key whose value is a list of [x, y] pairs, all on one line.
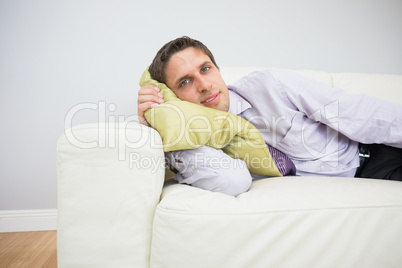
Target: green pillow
{"points": [[184, 125]]}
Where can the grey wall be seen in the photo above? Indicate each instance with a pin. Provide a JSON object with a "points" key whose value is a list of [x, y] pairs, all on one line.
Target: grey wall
{"points": [[55, 55]]}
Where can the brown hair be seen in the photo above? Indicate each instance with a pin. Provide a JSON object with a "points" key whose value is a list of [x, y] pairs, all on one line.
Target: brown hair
{"points": [[158, 65]]}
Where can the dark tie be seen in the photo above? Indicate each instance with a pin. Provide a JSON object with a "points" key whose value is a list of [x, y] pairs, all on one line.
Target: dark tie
{"points": [[284, 164]]}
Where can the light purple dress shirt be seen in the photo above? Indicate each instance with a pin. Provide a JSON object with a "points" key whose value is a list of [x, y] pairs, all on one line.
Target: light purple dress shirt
{"points": [[316, 126]]}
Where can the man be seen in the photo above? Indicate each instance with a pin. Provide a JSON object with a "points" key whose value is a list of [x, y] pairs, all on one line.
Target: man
{"points": [[320, 129]]}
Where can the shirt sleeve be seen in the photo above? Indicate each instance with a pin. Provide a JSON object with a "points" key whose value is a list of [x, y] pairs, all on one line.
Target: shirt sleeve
{"points": [[210, 169], [359, 117]]}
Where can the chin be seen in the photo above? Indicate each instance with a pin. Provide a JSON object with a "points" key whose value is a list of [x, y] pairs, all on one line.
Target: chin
{"points": [[225, 108]]}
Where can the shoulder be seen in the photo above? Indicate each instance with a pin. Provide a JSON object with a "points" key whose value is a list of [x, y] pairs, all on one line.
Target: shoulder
{"points": [[264, 75], [258, 80], [268, 84]]}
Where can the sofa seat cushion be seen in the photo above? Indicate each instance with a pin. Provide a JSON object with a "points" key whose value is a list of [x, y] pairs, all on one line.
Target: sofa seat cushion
{"points": [[281, 222]]}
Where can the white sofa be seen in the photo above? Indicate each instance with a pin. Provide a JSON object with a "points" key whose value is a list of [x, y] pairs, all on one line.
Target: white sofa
{"points": [[115, 208]]}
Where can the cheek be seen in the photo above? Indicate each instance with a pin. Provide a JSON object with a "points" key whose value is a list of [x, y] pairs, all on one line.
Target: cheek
{"points": [[186, 96]]}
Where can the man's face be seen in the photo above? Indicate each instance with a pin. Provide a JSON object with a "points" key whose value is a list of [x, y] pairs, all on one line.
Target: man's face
{"points": [[193, 77]]}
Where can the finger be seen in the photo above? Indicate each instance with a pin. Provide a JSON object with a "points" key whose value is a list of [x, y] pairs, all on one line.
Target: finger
{"points": [[141, 110], [143, 121], [142, 107], [149, 90], [149, 93], [150, 98]]}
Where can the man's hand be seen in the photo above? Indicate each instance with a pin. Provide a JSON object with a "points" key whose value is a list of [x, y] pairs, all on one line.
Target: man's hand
{"points": [[149, 96]]}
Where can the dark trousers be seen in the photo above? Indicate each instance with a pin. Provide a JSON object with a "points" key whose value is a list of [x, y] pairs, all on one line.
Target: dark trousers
{"points": [[385, 162]]}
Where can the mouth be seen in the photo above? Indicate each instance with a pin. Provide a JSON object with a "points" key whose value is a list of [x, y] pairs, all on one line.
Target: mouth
{"points": [[211, 99]]}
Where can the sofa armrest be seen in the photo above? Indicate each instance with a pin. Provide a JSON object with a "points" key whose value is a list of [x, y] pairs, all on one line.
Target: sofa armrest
{"points": [[110, 179]]}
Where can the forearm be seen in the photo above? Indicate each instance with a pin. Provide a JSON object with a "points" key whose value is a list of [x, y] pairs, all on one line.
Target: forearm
{"points": [[210, 169], [361, 118]]}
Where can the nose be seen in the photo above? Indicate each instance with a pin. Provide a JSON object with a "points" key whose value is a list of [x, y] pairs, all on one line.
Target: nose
{"points": [[203, 83]]}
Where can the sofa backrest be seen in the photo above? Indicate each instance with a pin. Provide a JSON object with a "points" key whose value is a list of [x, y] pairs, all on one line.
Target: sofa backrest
{"points": [[385, 86]]}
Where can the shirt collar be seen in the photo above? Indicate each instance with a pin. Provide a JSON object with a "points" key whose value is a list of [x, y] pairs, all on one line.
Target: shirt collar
{"points": [[237, 104]]}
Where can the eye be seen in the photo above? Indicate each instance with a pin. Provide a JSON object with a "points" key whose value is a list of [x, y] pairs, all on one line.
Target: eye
{"points": [[183, 83], [204, 69]]}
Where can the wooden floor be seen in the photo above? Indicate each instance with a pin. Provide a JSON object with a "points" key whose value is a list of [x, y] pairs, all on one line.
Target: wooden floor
{"points": [[28, 249]]}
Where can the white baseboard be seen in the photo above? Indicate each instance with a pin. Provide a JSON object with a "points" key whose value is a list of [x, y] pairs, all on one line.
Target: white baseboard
{"points": [[28, 220]]}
